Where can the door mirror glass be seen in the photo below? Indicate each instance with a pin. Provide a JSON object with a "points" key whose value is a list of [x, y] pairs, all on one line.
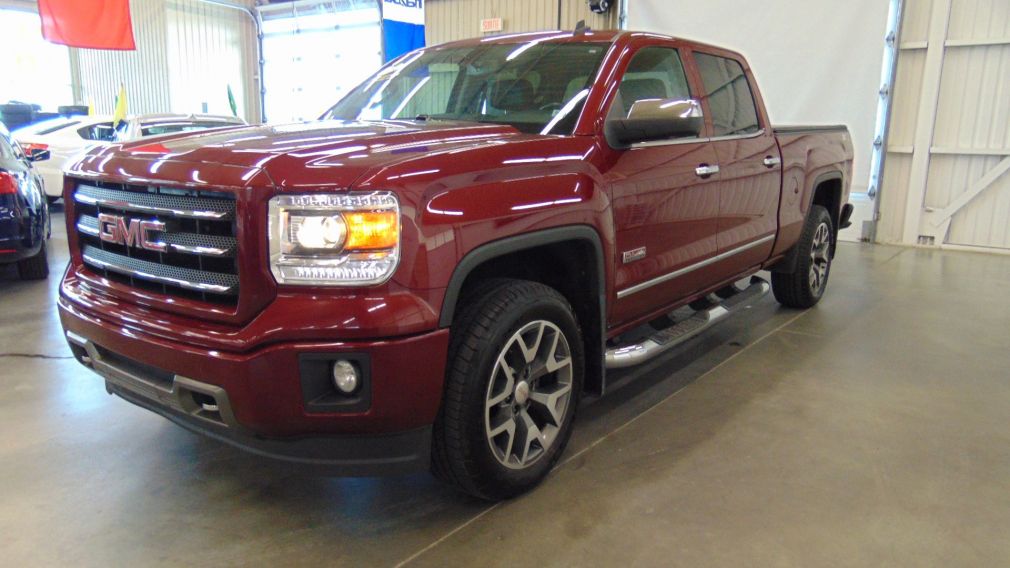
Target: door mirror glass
{"points": [[656, 119]]}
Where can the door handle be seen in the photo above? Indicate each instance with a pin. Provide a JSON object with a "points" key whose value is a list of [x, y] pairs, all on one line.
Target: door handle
{"points": [[771, 161], [706, 171]]}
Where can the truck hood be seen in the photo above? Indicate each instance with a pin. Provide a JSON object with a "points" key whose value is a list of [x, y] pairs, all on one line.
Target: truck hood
{"points": [[318, 155]]}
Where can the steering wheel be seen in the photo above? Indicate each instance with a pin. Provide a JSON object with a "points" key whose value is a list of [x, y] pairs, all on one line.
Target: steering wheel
{"points": [[551, 106]]}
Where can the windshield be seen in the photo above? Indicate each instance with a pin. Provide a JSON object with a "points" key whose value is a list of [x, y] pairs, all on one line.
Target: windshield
{"points": [[537, 87]]}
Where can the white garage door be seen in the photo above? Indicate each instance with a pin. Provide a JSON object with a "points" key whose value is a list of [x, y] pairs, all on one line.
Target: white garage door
{"points": [[315, 52], [948, 153]]}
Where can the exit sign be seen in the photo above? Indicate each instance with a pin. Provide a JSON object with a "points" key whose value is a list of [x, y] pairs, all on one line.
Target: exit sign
{"points": [[488, 25]]}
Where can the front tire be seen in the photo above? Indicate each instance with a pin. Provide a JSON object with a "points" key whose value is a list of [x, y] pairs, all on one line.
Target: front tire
{"points": [[804, 287], [516, 366], [34, 267]]}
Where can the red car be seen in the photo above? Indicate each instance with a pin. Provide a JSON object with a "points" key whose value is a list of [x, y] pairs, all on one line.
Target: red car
{"points": [[434, 273]]}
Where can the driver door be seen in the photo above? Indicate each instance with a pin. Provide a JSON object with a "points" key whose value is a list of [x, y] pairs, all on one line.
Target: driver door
{"points": [[665, 214]]}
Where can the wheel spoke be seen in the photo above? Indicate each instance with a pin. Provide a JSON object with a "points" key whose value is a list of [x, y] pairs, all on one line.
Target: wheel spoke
{"points": [[553, 364], [510, 382], [530, 352], [551, 402], [531, 434], [507, 426]]}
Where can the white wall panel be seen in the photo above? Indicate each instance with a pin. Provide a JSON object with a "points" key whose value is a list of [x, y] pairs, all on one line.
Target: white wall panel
{"points": [[892, 197], [979, 20], [948, 162], [915, 21], [983, 222], [205, 47], [143, 71], [974, 108], [187, 52], [907, 86]]}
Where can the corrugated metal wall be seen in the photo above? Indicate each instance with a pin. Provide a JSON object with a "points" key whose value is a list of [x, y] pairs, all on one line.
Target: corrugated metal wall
{"points": [[947, 174], [187, 52], [144, 72], [448, 20]]}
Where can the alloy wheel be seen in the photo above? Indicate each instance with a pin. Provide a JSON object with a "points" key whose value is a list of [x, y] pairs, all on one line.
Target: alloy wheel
{"points": [[528, 394], [820, 258]]}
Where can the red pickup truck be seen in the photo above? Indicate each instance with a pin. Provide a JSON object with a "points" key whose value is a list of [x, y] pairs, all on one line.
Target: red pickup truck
{"points": [[435, 272]]}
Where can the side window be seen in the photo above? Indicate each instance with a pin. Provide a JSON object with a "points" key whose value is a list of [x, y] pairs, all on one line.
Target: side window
{"points": [[730, 99], [100, 131], [653, 73]]}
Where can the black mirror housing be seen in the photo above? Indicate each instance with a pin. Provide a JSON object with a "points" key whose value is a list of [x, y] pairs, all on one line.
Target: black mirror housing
{"points": [[656, 119]]}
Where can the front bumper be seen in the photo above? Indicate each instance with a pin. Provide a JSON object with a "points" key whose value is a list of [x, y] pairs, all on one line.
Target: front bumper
{"points": [[255, 400]]}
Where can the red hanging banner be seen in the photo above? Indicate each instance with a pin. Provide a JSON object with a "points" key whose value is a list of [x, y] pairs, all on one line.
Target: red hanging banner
{"points": [[95, 24]]}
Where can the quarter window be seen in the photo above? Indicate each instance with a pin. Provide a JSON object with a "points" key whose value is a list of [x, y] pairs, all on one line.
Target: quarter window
{"points": [[730, 100]]}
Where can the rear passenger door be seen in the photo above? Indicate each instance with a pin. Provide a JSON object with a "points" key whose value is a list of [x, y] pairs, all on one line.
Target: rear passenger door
{"points": [[749, 164]]}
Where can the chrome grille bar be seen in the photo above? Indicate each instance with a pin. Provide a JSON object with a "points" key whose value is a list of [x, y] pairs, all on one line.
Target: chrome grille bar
{"points": [[156, 203], [186, 243], [189, 279]]}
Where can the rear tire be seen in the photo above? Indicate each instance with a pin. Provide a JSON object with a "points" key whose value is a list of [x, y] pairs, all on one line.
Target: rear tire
{"points": [[804, 287], [516, 367], [34, 267]]}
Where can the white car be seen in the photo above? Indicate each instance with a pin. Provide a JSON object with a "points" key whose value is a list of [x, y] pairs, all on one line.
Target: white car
{"points": [[68, 136]]}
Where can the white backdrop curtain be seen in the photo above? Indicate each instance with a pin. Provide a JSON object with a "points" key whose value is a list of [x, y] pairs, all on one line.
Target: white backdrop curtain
{"points": [[816, 61]]}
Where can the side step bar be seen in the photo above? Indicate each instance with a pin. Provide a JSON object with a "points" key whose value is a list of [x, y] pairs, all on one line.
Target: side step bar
{"points": [[728, 301]]}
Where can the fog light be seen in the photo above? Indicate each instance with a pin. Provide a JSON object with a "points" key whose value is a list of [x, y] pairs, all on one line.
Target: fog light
{"points": [[345, 376]]}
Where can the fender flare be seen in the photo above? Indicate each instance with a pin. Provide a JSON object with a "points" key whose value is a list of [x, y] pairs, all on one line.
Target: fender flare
{"points": [[788, 263], [507, 245]]}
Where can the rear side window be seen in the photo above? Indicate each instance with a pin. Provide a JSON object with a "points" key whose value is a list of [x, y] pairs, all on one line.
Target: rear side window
{"points": [[102, 131], [653, 73], [730, 100]]}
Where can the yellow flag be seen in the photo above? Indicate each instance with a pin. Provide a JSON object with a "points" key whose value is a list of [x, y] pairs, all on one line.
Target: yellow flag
{"points": [[91, 107], [120, 113]]}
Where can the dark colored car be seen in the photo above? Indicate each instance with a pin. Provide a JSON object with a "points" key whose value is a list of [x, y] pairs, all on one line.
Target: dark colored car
{"points": [[24, 212], [434, 273]]}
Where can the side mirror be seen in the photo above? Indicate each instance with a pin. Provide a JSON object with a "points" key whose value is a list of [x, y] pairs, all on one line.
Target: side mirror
{"points": [[37, 155], [656, 119]]}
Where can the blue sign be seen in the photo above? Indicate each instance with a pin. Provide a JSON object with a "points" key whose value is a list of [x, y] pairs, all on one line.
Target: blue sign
{"points": [[402, 27]]}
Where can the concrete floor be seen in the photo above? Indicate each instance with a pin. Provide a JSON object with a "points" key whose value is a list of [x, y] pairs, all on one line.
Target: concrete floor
{"points": [[871, 430]]}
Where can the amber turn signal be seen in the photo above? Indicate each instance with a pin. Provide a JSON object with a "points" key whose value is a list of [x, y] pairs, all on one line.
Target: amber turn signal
{"points": [[376, 230]]}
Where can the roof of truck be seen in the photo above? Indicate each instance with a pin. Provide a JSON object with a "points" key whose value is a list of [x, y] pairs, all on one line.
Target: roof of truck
{"points": [[564, 36]]}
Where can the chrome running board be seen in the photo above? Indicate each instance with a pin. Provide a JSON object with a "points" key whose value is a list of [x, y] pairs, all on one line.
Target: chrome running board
{"points": [[728, 301]]}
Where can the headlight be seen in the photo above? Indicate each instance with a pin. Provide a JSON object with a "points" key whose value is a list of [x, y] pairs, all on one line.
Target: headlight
{"points": [[350, 239]]}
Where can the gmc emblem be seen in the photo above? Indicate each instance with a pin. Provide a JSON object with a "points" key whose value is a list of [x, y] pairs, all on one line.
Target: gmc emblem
{"points": [[114, 229]]}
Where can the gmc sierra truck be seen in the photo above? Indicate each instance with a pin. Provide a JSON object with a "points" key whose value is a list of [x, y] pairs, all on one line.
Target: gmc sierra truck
{"points": [[435, 272]]}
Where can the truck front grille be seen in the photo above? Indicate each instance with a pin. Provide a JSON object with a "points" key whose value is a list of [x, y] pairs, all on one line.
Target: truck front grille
{"points": [[199, 259]]}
